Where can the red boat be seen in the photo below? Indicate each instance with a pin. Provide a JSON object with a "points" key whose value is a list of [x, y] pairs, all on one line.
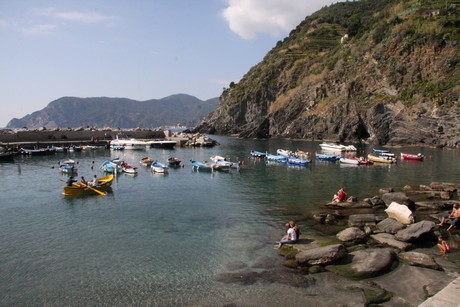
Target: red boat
{"points": [[417, 157]]}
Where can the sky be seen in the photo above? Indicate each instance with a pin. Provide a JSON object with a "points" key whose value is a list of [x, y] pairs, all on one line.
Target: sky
{"points": [[137, 49]]}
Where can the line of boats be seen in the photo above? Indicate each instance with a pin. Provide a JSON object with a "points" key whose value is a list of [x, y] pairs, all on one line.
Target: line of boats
{"points": [[335, 152]]}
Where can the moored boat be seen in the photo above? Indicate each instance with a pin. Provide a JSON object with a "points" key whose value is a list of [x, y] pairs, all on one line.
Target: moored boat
{"points": [[327, 157], [337, 147], [350, 161], [122, 140], [158, 167], [146, 161], [104, 184], [258, 154], [284, 152], [110, 167], [412, 157], [298, 161], [68, 166], [276, 158], [381, 159], [174, 161], [199, 166], [128, 168]]}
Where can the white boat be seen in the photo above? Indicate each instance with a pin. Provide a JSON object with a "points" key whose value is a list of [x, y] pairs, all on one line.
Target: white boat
{"points": [[284, 152], [123, 141], [68, 166], [349, 161], [158, 167], [219, 160], [337, 147]]}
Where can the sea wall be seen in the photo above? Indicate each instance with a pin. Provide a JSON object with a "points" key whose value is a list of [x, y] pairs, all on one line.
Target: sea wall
{"points": [[74, 136]]}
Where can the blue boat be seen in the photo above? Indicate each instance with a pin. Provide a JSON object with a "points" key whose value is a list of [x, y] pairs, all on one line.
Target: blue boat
{"points": [[111, 167], [297, 161], [199, 166], [258, 154], [277, 158], [327, 157], [68, 166], [158, 167]]}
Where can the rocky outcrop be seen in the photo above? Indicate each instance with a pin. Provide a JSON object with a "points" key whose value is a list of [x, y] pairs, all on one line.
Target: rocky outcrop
{"points": [[382, 86]]}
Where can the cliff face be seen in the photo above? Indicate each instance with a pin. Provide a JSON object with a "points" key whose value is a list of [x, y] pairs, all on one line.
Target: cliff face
{"points": [[380, 71]]}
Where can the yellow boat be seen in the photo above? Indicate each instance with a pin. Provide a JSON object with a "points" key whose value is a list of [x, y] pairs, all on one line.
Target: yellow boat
{"points": [[381, 159], [77, 188]]}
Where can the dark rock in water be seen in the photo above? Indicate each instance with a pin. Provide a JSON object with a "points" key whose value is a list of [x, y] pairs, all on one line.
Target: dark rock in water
{"points": [[400, 198], [364, 263], [419, 259], [246, 278], [376, 201], [266, 263], [360, 220], [443, 186], [389, 240], [415, 231], [390, 225], [322, 255], [352, 235]]}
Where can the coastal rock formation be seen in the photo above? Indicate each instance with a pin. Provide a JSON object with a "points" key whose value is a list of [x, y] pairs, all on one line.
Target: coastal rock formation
{"points": [[395, 80], [415, 231], [365, 263], [322, 255]]}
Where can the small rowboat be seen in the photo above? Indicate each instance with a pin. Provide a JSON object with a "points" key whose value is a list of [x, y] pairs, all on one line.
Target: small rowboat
{"points": [[128, 168], [350, 161], [298, 161], [412, 157], [258, 154], [104, 184], [146, 161], [199, 166], [174, 162], [158, 167], [327, 157], [381, 159]]}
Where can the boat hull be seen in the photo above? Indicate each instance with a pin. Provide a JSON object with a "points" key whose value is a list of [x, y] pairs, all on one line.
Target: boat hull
{"points": [[77, 189], [381, 159]]}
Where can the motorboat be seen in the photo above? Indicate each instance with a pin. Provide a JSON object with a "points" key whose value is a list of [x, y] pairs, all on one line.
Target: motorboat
{"points": [[122, 140], [277, 158], [337, 147], [381, 159], [258, 154], [412, 157], [327, 157], [68, 166]]}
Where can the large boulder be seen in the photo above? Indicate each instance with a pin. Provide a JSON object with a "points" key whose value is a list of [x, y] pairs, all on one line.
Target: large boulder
{"points": [[322, 255], [415, 231], [390, 225], [389, 240], [400, 198], [419, 259], [400, 213], [352, 235], [361, 220], [365, 263]]}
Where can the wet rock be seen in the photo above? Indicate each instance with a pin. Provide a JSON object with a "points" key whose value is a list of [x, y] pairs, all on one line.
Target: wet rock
{"points": [[266, 263], [322, 255], [400, 213], [364, 263], [349, 204], [419, 259], [385, 190], [376, 201], [389, 240], [246, 278], [443, 186], [361, 220], [352, 235], [415, 231], [433, 205], [390, 225], [400, 198]]}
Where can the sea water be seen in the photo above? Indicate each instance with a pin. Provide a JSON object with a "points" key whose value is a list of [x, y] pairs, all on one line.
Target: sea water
{"points": [[161, 240]]}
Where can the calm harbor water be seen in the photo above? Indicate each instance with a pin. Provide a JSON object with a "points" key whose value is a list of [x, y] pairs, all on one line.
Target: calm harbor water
{"points": [[161, 239]]}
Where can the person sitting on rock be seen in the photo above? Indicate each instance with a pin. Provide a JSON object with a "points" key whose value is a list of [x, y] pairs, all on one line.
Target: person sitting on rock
{"points": [[454, 216], [290, 236], [340, 196], [293, 225]]}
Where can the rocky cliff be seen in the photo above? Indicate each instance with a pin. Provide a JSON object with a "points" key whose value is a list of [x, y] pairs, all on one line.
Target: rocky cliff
{"points": [[377, 71]]}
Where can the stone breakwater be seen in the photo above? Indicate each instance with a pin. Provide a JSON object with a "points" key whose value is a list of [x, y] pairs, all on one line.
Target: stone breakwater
{"points": [[93, 136], [360, 247]]}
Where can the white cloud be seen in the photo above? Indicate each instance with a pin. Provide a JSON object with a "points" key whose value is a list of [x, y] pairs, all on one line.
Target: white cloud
{"points": [[76, 16], [39, 29], [247, 18]]}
